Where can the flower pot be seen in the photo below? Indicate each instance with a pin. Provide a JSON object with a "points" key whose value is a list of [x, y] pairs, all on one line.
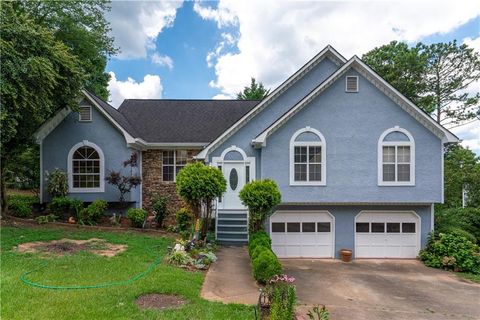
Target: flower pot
{"points": [[346, 255]]}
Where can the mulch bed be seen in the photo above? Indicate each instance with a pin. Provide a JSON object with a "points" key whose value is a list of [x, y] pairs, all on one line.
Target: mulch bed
{"points": [[159, 301]]}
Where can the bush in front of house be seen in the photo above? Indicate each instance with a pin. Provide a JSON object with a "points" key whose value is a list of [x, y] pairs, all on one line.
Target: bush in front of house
{"points": [[61, 205], [265, 263], [159, 206], [184, 219], [452, 252], [466, 219], [137, 217], [282, 296], [260, 196], [57, 183], [259, 238], [94, 211], [21, 205]]}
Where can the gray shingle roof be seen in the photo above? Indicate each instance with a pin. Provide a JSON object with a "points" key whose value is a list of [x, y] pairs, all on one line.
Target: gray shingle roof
{"points": [[183, 121]]}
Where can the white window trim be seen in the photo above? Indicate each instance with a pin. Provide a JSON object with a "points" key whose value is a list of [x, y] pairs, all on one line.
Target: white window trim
{"points": [[71, 189], [247, 161], [346, 86], [322, 143], [382, 143], [80, 115], [174, 165]]}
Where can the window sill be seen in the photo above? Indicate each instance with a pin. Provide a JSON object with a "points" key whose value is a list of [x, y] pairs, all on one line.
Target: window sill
{"points": [[307, 184], [86, 190], [396, 184]]}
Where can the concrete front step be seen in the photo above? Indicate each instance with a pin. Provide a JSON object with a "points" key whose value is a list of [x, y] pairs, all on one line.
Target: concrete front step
{"points": [[236, 228]]}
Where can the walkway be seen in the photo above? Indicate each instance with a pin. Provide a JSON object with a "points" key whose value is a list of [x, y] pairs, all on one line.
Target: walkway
{"points": [[229, 280]]}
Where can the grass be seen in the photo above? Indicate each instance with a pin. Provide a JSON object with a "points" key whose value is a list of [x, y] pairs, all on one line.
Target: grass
{"points": [[20, 301], [470, 276]]}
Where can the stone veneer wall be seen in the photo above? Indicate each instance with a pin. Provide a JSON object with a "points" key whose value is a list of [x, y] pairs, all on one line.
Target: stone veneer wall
{"points": [[153, 184]]}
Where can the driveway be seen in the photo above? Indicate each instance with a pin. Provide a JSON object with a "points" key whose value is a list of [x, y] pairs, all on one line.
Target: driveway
{"points": [[383, 289]]}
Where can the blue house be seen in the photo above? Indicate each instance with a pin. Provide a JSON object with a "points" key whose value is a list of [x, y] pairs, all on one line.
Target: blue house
{"points": [[359, 166]]}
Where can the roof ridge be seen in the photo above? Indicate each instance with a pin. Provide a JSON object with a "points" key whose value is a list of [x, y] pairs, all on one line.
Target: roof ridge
{"points": [[137, 99]]}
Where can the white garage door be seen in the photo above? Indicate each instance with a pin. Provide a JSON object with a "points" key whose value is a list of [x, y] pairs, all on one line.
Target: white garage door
{"points": [[302, 234], [387, 235]]}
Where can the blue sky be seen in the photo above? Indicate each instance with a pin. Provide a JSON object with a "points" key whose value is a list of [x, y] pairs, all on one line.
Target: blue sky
{"points": [[211, 49]]}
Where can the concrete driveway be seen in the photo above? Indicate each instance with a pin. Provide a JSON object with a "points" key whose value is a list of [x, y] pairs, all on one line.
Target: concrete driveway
{"points": [[383, 289]]}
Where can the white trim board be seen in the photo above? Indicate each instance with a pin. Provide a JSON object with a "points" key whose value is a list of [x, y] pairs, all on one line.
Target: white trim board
{"points": [[327, 52], [101, 188], [381, 84]]}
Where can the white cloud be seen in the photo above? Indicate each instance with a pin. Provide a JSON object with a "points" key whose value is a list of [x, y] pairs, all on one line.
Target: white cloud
{"points": [[136, 24], [470, 134], [150, 88], [277, 37], [162, 60], [221, 96]]}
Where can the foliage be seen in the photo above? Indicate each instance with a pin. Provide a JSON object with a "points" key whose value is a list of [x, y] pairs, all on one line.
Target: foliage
{"points": [[466, 219], [159, 206], [433, 76], [20, 205], [46, 218], [318, 313], [192, 254], [453, 252], [184, 219], [282, 297], [142, 250], [137, 216], [256, 91], [94, 211], [259, 238], [179, 258], [123, 183], [57, 183], [23, 172], [402, 66], [199, 185], [82, 26], [39, 76], [260, 196], [462, 168], [61, 205], [265, 265]]}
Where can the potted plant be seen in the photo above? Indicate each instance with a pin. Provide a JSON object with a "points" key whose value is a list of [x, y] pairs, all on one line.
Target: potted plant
{"points": [[346, 255]]}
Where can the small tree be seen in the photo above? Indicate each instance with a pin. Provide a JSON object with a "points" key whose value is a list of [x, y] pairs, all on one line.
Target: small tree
{"points": [[125, 183], [260, 196], [199, 185], [57, 183], [256, 91]]}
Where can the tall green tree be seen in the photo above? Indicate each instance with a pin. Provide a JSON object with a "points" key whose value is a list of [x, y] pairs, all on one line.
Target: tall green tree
{"points": [[39, 73], [256, 91], [81, 26], [462, 168], [436, 77]]}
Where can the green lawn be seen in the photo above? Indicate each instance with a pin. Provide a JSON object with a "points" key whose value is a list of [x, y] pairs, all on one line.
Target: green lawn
{"points": [[470, 276], [19, 301]]}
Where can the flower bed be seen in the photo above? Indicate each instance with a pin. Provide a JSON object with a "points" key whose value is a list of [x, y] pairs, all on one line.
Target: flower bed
{"points": [[192, 255]]}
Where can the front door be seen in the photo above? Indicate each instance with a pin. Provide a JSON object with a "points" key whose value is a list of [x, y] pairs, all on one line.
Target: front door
{"points": [[234, 173]]}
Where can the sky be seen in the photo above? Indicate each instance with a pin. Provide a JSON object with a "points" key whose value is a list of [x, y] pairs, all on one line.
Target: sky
{"points": [[205, 50]]}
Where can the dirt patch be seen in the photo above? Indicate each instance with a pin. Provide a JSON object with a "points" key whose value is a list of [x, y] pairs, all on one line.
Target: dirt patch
{"points": [[159, 301], [69, 246]]}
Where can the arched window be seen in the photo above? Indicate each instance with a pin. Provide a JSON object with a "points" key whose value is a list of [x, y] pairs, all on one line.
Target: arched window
{"points": [[307, 157], [86, 168], [396, 158]]}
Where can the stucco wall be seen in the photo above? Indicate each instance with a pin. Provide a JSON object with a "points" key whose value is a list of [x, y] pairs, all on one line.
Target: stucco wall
{"points": [[352, 124], [345, 220], [100, 131]]}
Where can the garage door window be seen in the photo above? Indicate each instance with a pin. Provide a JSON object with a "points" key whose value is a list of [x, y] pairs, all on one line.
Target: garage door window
{"points": [[393, 227], [363, 227], [378, 227], [408, 227], [293, 227], [308, 227], [323, 226], [278, 227]]}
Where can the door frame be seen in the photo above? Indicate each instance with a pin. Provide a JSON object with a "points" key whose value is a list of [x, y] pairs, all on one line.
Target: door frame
{"points": [[246, 160], [418, 229], [299, 212]]}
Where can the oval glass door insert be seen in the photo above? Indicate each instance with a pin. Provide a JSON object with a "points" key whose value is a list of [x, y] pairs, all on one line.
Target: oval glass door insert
{"points": [[233, 179]]}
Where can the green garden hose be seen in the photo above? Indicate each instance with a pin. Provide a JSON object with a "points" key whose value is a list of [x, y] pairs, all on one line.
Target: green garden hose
{"points": [[93, 286]]}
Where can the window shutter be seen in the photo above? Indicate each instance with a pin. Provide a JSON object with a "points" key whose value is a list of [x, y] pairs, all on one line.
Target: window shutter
{"points": [[352, 84], [85, 113]]}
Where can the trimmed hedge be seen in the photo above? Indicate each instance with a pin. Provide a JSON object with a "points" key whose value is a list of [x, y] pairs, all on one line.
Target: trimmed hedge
{"points": [[264, 262]]}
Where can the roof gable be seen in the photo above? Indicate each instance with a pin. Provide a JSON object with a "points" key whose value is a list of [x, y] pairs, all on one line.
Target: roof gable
{"points": [[380, 83]]}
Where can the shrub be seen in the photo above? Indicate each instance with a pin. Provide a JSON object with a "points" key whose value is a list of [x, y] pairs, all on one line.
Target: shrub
{"points": [[282, 296], [45, 219], [61, 205], [266, 265], [95, 210], [259, 238], [467, 219], [137, 216], [318, 313], [451, 251], [159, 206], [260, 196], [184, 219], [179, 258], [123, 183], [57, 183], [20, 206]]}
